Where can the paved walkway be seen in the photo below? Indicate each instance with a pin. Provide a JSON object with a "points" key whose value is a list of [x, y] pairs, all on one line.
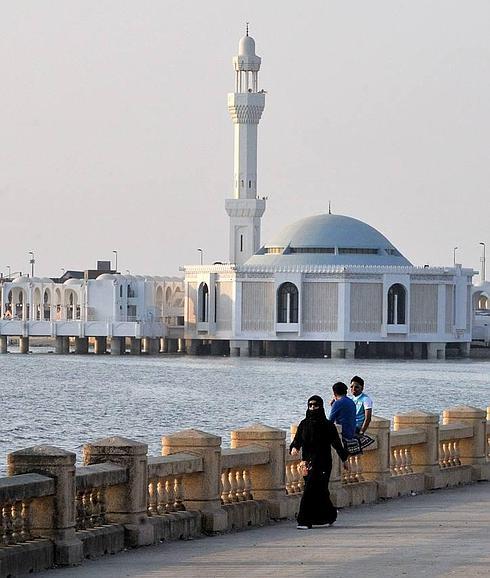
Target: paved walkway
{"points": [[443, 533]]}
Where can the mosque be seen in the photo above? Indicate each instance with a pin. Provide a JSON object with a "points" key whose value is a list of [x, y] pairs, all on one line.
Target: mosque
{"points": [[326, 285]]}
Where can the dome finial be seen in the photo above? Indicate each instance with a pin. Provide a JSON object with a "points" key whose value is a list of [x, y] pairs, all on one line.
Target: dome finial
{"points": [[329, 207], [246, 29]]}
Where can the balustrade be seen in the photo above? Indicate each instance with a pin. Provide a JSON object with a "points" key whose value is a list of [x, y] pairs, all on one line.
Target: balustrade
{"points": [[16, 525], [294, 480], [401, 461], [123, 497], [92, 484], [236, 485], [449, 454], [167, 482], [90, 508], [352, 473], [165, 495]]}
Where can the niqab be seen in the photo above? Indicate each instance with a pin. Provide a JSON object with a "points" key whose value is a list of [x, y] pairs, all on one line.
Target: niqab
{"points": [[315, 423]]}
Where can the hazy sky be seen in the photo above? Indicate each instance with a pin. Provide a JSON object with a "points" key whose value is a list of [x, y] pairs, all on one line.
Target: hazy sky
{"points": [[115, 134]]}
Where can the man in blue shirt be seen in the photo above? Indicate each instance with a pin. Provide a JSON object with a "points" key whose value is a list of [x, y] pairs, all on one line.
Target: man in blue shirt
{"points": [[343, 411]]}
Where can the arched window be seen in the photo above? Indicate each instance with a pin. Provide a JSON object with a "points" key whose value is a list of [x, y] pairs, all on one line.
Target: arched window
{"points": [[397, 296], [287, 303], [203, 303]]}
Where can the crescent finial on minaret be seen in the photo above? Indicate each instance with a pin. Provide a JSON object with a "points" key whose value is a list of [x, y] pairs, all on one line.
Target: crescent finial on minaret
{"points": [[246, 29]]}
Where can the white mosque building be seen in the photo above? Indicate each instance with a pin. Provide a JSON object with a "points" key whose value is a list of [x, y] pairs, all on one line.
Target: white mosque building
{"points": [[325, 285]]}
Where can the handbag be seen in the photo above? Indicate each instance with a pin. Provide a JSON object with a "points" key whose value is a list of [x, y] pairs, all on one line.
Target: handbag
{"points": [[304, 468], [355, 445]]}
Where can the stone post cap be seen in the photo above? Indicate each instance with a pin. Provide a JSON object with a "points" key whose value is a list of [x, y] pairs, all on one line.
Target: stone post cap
{"points": [[117, 446], [42, 454], [379, 423], [416, 417], [192, 438], [258, 432], [465, 411]]}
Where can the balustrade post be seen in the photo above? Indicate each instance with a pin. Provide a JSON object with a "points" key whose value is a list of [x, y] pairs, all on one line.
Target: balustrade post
{"points": [[425, 457], [472, 451], [202, 489], [126, 504], [54, 516], [376, 463], [268, 480]]}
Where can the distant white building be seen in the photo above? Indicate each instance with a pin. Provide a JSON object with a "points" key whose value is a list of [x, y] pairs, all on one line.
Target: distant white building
{"points": [[108, 307], [481, 308], [108, 298], [325, 285]]}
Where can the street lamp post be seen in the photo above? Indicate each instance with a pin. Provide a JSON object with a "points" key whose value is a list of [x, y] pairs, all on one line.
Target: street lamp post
{"points": [[115, 253], [483, 263], [201, 252], [32, 261], [454, 255]]}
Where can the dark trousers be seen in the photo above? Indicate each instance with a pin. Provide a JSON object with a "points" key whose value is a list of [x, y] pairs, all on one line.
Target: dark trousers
{"points": [[316, 507]]}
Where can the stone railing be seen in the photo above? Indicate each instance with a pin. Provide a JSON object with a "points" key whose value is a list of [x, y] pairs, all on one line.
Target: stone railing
{"points": [[54, 513]]}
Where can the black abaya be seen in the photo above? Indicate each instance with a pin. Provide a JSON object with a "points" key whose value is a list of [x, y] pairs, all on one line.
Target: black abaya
{"points": [[315, 437]]}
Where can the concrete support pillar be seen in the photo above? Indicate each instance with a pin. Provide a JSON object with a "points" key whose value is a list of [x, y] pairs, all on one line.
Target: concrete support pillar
{"points": [[180, 345], [270, 348], [100, 345], [150, 345], [81, 345], [125, 503], [281, 348], [425, 456], [399, 350], [473, 450], [52, 518], [153, 346], [343, 349], [202, 489], [118, 345], [436, 351], [172, 345], [163, 344], [218, 347], [24, 344], [255, 348], [3, 344], [135, 346], [192, 346], [269, 479], [239, 348], [62, 344], [417, 350]]}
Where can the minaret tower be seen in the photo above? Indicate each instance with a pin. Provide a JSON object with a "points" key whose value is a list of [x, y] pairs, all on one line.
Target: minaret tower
{"points": [[246, 104]]}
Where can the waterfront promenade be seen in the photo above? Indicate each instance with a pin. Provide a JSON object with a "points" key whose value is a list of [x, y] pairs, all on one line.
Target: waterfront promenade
{"points": [[441, 533]]}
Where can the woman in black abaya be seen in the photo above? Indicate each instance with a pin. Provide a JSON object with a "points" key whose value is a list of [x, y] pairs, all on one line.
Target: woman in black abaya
{"points": [[315, 437]]}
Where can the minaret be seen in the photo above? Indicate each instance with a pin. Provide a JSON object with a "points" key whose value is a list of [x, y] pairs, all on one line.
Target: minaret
{"points": [[246, 104]]}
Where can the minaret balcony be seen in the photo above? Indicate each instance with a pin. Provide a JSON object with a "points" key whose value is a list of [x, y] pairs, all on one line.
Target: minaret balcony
{"points": [[245, 207], [246, 107]]}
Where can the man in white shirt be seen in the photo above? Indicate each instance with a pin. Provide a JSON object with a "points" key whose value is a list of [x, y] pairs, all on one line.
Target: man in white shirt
{"points": [[364, 404]]}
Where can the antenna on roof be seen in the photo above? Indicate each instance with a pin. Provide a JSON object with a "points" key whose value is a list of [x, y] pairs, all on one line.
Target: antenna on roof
{"points": [[329, 207], [247, 29]]}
